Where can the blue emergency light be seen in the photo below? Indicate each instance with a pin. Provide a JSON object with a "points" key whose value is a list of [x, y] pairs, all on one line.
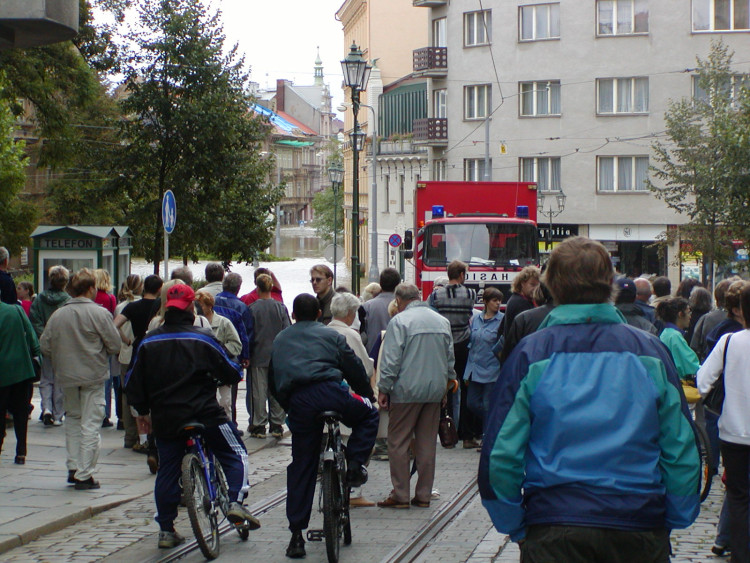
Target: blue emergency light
{"points": [[438, 211], [522, 211]]}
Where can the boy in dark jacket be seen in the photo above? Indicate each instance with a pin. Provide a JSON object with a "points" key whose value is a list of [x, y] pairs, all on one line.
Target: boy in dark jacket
{"points": [[174, 377]]}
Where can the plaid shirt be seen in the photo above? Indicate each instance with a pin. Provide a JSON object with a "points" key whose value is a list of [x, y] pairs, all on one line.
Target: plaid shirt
{"points": [[456, 303]]}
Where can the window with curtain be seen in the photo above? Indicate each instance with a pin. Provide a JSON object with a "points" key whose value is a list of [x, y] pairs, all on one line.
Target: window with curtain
{"points": [[621, 17], [476, 101], [545, 171], [474, 169], [440, 32], [438, 169], [622, 95], [622, 173], [440, 103], [539, 21], [477, 26], [730, 89], [721, 15], [540, 99], [387, 190]]}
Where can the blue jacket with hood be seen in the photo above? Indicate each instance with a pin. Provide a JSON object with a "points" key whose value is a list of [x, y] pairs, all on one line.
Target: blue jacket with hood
{"points": [[588, 426]]}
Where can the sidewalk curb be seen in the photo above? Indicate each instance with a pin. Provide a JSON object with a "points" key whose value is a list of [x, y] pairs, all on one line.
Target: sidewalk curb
{"points": [[12, 541]]}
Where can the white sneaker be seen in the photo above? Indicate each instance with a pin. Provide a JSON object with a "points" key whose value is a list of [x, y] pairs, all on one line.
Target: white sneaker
{"points": [[57, 423], [435, 493]]}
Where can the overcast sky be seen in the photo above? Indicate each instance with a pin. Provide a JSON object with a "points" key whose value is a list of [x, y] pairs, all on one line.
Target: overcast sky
{"points": [[280, 39]]}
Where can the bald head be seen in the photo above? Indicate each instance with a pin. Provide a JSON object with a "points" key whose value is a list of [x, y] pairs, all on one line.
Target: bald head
{"points": [[642, 289]]}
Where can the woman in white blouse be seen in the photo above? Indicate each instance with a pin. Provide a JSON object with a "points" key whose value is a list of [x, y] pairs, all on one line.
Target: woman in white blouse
{"points": [[734, 423]]}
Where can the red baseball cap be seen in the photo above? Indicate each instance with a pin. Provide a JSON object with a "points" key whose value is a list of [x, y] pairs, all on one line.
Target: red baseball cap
{"points": [[180, 296]]}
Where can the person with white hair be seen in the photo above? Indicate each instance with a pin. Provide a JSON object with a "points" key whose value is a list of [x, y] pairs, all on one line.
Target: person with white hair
{"points": [[344, 307]]}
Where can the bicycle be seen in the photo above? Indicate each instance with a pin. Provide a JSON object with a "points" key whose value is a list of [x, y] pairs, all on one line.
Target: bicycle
{"points": [[205, 492], [704, 448], [334, 492]]}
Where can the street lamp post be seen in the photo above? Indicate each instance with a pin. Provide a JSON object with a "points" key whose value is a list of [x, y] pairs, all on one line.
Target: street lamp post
{"points": [[356, 73], [560, 198], [336, 175]]}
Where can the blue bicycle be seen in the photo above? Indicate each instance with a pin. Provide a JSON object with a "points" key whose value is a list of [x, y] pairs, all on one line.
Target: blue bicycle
{"points": [[205, 492]]}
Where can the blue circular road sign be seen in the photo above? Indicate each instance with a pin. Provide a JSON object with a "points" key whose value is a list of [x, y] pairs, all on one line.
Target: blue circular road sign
{"points": [[394, 240], [169, 211]]}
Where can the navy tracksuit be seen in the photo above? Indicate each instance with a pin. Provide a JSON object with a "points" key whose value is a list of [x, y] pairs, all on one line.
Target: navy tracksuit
{"points": [[305, 404]]}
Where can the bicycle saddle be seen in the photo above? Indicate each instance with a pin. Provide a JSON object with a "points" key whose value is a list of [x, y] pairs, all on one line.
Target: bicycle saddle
{"points": [[329, 414], [192, 427]]}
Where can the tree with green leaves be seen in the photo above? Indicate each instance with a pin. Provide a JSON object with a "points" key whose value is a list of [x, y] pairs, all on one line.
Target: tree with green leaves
{"points": [[190, 128], [325, 205], [17, 215], [701, 166]]}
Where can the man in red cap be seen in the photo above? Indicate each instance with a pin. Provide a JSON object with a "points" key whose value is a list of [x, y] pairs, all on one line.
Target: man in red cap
{"points": [[174, 378]]}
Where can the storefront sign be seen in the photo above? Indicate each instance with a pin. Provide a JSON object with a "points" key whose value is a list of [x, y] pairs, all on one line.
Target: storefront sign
{"points": [[68, 243], [557, 232]]}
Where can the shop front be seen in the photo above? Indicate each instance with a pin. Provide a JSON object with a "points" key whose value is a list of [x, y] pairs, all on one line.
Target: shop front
{"points": [[634, 248]]}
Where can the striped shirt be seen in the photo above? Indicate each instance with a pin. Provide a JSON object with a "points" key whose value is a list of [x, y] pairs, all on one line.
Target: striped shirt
{"points": [[456, 303]]}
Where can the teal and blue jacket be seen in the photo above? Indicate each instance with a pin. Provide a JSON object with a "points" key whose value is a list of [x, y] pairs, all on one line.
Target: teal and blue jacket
{"points": [[588, 426]]}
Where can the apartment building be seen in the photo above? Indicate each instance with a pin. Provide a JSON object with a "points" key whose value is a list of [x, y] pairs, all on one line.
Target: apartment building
{"points": [[570, 95]]}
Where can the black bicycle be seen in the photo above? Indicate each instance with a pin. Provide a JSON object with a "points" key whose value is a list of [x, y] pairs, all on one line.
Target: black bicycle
{"points": [[334, 492], [205, 492]]}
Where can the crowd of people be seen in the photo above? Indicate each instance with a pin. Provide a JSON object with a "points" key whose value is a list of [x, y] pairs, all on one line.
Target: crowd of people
{"points": [[572, 391]]}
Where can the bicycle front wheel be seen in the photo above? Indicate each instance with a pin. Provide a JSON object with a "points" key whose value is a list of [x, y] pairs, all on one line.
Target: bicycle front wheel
{"points": [[201, 508], [332, 510]]}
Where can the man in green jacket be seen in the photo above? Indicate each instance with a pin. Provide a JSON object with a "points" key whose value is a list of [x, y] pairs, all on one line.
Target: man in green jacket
{"points": [[46, 303], [18, 344]]}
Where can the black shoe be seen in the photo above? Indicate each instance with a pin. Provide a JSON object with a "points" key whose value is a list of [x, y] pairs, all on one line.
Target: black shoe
{"points": [[106, 423], [277, 431], [120, 425], [356, 476], [71, 476], [47, 418], [720, 551], [89, 483], [296, 547]]}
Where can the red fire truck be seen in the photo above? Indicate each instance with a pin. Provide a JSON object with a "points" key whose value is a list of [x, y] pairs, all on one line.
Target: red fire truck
{"points": [[489, 225]]}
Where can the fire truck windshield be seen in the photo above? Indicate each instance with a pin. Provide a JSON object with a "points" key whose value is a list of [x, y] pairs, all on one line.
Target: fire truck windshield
{"points": [[490, 244]]}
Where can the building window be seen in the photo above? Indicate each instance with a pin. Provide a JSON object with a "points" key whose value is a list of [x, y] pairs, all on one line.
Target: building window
{"points": [[477, 26], [440, 32], [621, 17], [544, 171], [401, 192], [387, 189], [540, 21], [438, 169], [440, 103], [474, 169], [623, 173], [476, 101], [731, 88], [540, 98], [721, 15], [622, 95]]}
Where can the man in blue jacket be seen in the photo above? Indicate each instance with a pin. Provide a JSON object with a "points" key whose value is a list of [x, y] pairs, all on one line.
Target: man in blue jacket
{"points": [[589, 451], [308, 365]]}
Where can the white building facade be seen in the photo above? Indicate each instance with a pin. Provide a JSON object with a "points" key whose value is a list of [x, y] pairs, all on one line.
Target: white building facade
{"points": [[571, 95]]}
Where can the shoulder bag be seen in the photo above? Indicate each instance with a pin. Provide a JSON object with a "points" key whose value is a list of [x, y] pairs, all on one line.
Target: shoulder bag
{"points": [[714, 400]]}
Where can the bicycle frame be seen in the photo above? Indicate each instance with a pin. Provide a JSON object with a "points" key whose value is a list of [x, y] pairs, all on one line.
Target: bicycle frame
{"points": [[206, 457]]}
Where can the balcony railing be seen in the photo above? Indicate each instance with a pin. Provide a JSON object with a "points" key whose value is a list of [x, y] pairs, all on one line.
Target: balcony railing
{"points": [[431, 61], [431, 131]]}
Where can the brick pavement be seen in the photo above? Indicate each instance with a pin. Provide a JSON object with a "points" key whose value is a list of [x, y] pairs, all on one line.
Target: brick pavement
{"points": [[35, 499], [116, 522]]}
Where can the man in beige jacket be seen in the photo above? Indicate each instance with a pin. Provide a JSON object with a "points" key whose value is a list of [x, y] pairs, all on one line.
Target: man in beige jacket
{"points": [[79, 337]]}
